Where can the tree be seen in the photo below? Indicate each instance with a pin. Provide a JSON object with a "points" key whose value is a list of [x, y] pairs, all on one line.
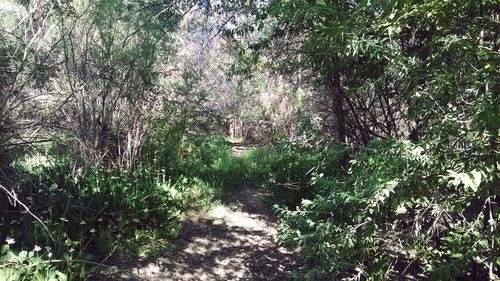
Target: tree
{"points": [[423, 71]]}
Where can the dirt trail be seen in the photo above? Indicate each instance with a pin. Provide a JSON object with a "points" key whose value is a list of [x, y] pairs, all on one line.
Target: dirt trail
{"points": [[234, 241], [239, 149]]}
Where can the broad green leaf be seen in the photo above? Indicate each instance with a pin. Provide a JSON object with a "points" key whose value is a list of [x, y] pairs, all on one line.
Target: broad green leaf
{"points": [[23, 255], [4, 249]]}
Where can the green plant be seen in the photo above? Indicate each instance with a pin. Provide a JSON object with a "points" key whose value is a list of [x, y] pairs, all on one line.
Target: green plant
{"points": [[396, 207], [288, 168], [89, 213], [28, 265]]}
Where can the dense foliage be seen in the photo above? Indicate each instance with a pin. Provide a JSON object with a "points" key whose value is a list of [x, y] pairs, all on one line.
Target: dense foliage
{"points": [[381, 121], [87, 214], [413, 88], [395, 211]]}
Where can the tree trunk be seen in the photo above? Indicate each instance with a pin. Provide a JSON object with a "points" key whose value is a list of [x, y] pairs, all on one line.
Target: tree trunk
{"points": [[338, 98]]}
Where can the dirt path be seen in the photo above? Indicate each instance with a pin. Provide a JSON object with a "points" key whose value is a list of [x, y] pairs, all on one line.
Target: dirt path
{"points": [[239, 149], [234, 241]]}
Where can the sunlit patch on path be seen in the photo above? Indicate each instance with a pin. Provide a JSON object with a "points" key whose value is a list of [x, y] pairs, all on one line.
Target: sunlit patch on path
{"points": [[239, 149], [234, 241]]}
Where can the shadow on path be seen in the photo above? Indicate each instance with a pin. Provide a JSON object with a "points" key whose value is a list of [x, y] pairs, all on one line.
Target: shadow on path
{"points": [[230, 242]]}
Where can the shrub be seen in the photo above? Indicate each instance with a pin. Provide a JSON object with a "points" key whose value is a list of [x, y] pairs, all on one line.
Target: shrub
{"points": [[396, 211], [288, 168], [27, 266]]}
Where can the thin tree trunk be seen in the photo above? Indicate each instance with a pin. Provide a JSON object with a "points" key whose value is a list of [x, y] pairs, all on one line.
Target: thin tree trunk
{"points": [[338, 98]]}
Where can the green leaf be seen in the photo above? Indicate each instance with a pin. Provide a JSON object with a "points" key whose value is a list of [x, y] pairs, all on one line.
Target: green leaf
{"points": [[470, 180], [310, 223], [475, 179], [4, 249], [483, 243], [23, 255], [61, 276], [307, 202], [401, 209]]}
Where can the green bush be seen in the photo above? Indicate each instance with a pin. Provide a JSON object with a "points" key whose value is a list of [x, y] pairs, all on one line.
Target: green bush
{"points": [[397, 210], [26, 265], [288, 168], [181, 154]]}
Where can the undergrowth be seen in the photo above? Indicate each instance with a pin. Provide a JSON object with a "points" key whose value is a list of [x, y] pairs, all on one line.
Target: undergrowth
{"points": [[72, 219], [391, 210]]}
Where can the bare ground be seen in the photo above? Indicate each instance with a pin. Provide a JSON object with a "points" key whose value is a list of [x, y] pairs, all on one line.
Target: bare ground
{"points": [[234, 241]]}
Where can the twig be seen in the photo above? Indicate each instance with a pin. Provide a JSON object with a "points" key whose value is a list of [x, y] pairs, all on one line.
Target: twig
{"points": [[107, 257], [14, 197]]}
